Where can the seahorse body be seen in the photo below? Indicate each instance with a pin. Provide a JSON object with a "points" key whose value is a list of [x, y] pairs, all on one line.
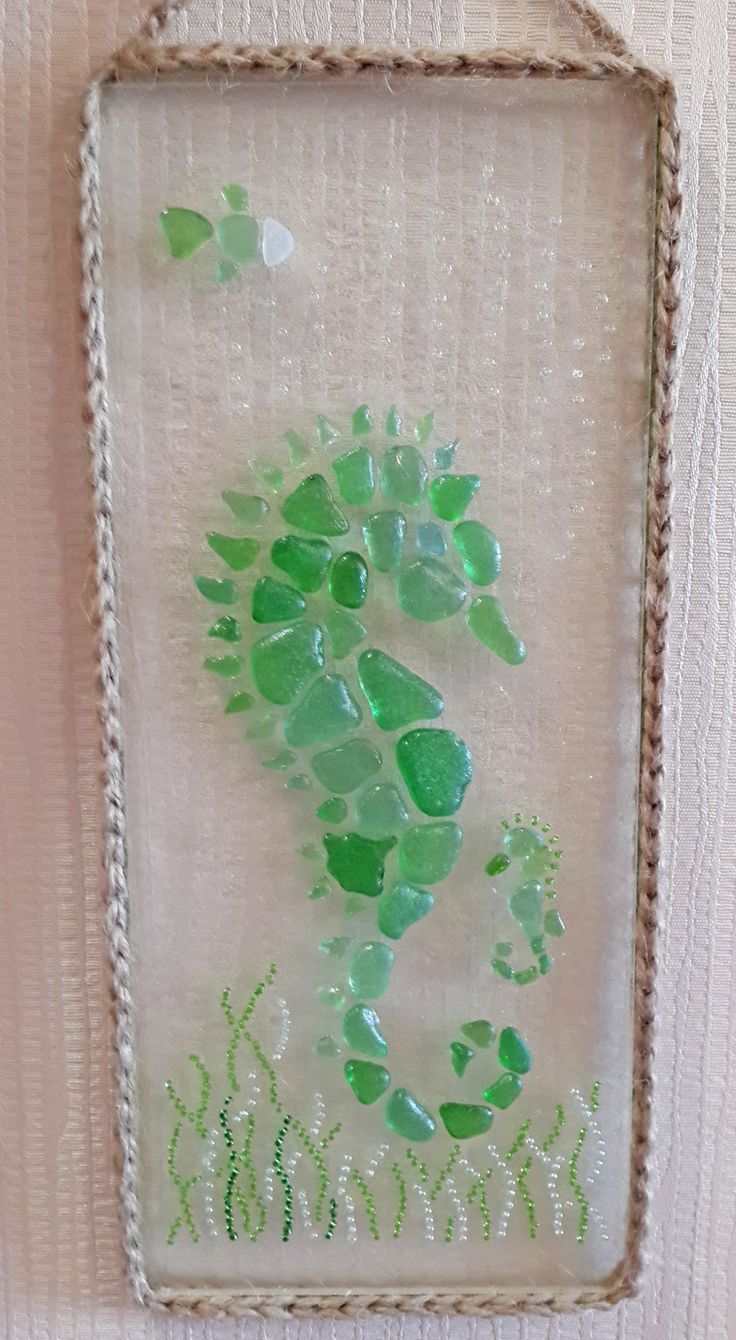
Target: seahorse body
{"points": [[300, 661]]}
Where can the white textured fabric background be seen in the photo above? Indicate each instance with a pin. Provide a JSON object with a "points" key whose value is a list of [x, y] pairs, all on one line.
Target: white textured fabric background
{"points": [[61, 1269]]}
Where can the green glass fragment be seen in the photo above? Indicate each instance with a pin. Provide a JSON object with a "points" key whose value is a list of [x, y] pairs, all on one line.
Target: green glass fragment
{"points": [[520, 842], [334, 996], [239, 702], [280, 761], [538, 863], [504, 1092], [184, 230], [450, 495], [336, 946], [262, 729], [488, 621], [322, 889], [404, 475], [504, 948], [299, 449], [220, 590], [423, 428], [349, 580], [305, 561], [380, 810], [327, 710], [309, 850], [498, 864], [367, 1080], [553, 923], [503, 969], [437, 767], [225, 270], [407, 1118], [384, 534], [357, 863], [394, 424], [227, 667], [226, 628], [300, 782], [444, 456], [464, 1120], [479, 1031], [236, 198], [333, 810], [526, 975], [362, 421], [429, 590], [400, 907], [460, 1057], [284, 661], [237, 553], [513, 1052], [247, 507], [526, 905], [354, 905], [347, 766], [480, 551], [361, 1029], [355, 476], [370, 969], [326, 431], [312, 507], [429, 851], [237, 238], [430, 540], [397, 696], [546, 964], [271, 476], [275, 602], [326, 1046], [344, 632]]}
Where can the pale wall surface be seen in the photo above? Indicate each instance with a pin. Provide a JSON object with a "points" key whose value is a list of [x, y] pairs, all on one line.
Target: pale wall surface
{"points": [[61, 1270]]}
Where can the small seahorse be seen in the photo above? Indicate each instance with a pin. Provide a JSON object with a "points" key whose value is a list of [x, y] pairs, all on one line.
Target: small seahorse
{"points": [[374, 503]]}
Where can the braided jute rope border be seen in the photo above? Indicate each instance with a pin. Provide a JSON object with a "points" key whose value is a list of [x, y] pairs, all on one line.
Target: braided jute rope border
{"points": [[140, 58]]}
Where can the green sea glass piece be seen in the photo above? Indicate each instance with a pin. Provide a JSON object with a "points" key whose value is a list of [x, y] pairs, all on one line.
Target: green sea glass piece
{"points": [[479, 1031], [521, 842], [384, 534], [280, 761], [370, 969], [362, 421], [226, 628], [275, 602], [397, 696], [220, 590], [553, 923], [380, 810], [236, 198], [503, 948], [185, 231], [285, 661], [394, 425], [444, 456], [334, 996], [526, 905], [423, 428], [344, 632], [407, 1118], [355, 476], [299, 449], [437, 767], [326, 431], [349, 580], [539, 863], [237, 553], [429, 590], [449, 495], [237, 238], [225, 270], [361, 1029], [347, 766], [480, 551], [270, 475], [464, 1120], [327, 1047], [429, 851], [460, 1057], [513, 1053], [488, 621], [247, 507], [356, 862], [311, 507], [504, 1092], [400, 907], [239, 702], [227, 667], [430, 540], [327, 710], [322, 889], [300, 782], [498, 864], [262, 729], [404, 475], [336, 946], [333, 810], [304, 561], [367, 1080]]}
